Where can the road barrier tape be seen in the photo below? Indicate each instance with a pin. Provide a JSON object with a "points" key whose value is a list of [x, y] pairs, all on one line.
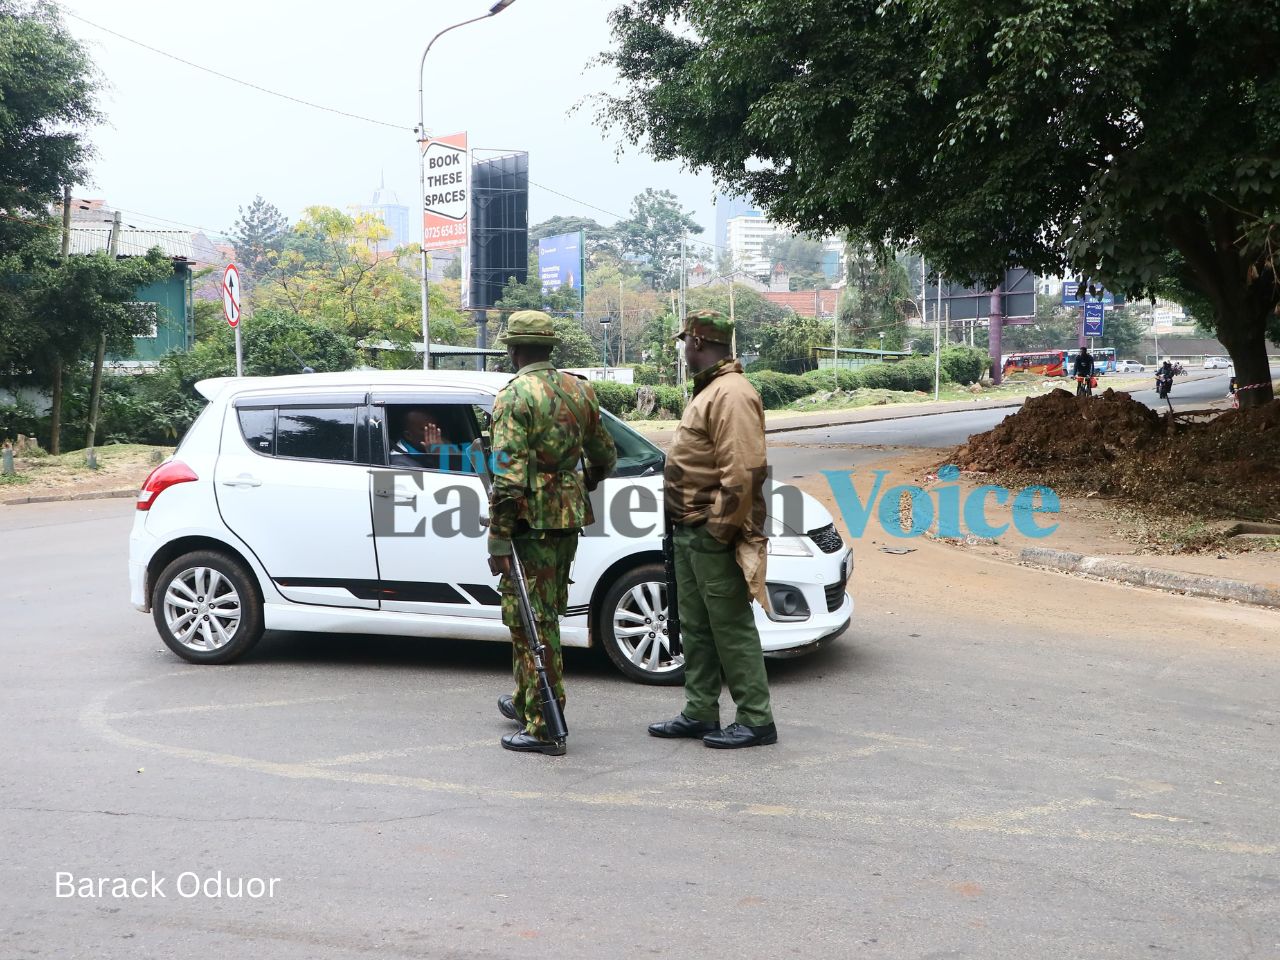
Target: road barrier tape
{"points": [[1254, 386]]}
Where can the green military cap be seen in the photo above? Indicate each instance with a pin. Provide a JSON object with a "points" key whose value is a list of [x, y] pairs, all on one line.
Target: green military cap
{"points": [[709, 325], [529, 327]]}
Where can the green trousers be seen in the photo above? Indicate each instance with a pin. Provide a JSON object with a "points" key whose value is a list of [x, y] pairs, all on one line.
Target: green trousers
{"points": [[718, 631], [546, 562]]}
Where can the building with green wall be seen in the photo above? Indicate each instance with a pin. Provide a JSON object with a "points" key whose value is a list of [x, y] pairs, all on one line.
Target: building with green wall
{"points": [[168, 303]]}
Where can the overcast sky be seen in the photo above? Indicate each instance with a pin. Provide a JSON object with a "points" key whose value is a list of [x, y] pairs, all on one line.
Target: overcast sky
{"points": [[182, 145]]}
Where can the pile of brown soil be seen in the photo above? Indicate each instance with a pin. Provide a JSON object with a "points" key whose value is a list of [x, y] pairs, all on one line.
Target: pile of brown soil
{"points": [[1227, 467]]}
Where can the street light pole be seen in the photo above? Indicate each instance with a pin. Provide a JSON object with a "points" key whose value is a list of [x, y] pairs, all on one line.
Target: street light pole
{"points": [[421, 131]]}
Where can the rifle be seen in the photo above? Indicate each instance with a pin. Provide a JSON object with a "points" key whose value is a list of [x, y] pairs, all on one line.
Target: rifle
{"points": [[673, 600], [552, 714]]}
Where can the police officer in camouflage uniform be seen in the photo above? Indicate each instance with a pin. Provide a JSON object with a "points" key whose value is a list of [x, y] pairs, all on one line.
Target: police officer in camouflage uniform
{"points": [[545, 423]]}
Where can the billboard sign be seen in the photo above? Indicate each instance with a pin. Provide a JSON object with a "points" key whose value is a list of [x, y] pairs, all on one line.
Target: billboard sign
{"points": [[961, 303], [1075, 294], [1094, 314], [446, 192], [560, 262]]}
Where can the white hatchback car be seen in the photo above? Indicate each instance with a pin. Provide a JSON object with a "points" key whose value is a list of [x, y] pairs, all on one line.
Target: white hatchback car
{"points": [[1217, 363], [1129, 366], [285, 507]]}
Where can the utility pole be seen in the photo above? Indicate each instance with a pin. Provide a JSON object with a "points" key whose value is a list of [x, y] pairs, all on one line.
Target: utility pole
{"points": [[937, 342], [55, 408], [622, 327], [95, 392], [680, 375]]}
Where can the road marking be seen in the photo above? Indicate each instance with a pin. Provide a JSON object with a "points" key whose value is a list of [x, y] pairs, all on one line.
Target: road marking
{"points": [[96, 720], [213, 707], [1159, 816]]}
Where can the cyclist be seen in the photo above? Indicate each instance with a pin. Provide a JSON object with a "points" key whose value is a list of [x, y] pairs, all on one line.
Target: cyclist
{"points": [[1082, 370]]}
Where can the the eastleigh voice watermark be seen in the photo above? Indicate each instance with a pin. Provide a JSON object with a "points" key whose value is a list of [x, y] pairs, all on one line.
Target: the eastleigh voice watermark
{"points": [[403, 499], [187, 885]]}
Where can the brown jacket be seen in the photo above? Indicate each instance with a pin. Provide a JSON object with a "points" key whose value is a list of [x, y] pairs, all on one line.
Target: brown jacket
{"points": [[716, 467]]}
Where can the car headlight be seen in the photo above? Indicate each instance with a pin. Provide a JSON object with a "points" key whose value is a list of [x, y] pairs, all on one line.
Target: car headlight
{"points": [[790, 547]]}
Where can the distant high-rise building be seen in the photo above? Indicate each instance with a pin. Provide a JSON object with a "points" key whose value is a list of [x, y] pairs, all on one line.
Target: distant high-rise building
{"points": [[745, 236], [388, 208], [727, 208]]}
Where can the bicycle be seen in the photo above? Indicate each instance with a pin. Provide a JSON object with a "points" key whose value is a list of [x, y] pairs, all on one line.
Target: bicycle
{"points": [[1084, 386]]}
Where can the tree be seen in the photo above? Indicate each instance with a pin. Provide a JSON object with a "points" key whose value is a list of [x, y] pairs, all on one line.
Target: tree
{"points": [[258, 234], [1136, 143], [788, 347], [330, 269], [653, 233], [68, 305], [752, 313], [803, 257], [46, 101], [876, 298]]}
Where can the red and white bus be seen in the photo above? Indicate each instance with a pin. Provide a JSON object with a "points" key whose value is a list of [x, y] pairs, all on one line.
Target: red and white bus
{"points": [[1051, 363]]}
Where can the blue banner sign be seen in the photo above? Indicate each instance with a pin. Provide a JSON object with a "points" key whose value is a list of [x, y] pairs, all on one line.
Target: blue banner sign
{"points": [[560, 262], [1075, 294], [1094, 319]]}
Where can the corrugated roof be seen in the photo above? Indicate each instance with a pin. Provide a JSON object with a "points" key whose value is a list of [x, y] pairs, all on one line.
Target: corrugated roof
{"points": [[133, 243]]}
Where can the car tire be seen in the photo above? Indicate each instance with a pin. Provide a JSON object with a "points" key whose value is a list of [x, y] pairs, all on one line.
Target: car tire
{"points": [[207, 607], [630, 624]]}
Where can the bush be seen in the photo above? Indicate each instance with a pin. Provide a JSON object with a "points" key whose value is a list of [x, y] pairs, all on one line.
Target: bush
{"points": [[15, 418], [778, 389], [670, 399], [819, 380], [964, 365], [646, 375], [618, 398]]}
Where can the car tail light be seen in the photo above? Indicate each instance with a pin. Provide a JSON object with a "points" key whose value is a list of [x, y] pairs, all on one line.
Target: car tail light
{"points": [[162, 478]]}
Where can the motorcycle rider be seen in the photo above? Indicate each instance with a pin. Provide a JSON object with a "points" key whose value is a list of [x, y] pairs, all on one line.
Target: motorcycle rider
{"points": [[1164, 379]]}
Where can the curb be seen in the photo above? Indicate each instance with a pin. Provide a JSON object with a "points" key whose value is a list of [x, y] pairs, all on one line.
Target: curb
{"points": [[90, 495], [904, 415], [1217, 588]]}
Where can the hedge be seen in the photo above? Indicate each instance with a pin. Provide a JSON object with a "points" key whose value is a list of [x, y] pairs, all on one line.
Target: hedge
{"points": [[964, 365], [778, 389]]}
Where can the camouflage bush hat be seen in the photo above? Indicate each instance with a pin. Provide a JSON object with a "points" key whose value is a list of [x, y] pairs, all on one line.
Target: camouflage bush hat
{"points": [[710, 325], [531, 327]]}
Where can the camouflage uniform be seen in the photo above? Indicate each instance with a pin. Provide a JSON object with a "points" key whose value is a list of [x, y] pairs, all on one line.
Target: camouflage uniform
{"points": [[544, 423]]}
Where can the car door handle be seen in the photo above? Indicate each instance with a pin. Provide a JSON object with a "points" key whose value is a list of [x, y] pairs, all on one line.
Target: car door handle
{"points": [[244, 480]]}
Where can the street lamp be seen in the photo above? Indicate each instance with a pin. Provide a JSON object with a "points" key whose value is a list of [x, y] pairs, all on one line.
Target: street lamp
{"points": [[882, 346], [604, 322], [421, 131]]}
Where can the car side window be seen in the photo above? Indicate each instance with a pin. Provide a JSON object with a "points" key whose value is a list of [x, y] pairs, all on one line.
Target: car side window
{"points": [[410, 447], [316, 433], [258, 426]]}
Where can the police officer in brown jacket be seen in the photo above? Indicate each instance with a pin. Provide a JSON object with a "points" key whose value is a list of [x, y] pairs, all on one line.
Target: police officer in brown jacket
{"points": [[714, 495]]}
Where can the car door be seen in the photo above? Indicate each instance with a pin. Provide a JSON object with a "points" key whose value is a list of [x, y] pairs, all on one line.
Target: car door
{"points": [[431, 547], [292, 482]]}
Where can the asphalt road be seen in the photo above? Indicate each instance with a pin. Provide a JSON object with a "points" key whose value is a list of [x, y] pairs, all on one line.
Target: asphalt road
{"points": [[958, 776], [950, 429]]}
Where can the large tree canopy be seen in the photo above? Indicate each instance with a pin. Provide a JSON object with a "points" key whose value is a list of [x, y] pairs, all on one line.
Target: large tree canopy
{"points": [[46, 97], [1136, 142]]}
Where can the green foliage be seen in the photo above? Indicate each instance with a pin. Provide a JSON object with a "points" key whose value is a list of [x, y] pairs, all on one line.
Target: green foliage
{"points": [[801, 256], [46, 103], [653, 233], [875, 299], [778, 389], [646, 375], [17, 417], [788, 345], [618, 398], [670, 399], [753, 314], [818, 380], [962, 365], [258, 234], [1135, 144]]}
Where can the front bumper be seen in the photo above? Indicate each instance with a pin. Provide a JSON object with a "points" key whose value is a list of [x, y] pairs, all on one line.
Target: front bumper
{"points": [[823, 581]]}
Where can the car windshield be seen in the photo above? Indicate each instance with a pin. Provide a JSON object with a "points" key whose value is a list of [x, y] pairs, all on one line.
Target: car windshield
{"points": [[636, 455]]}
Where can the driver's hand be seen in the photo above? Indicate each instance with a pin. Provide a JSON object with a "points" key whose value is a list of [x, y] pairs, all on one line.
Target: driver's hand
{"points": [[500, 566]]}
